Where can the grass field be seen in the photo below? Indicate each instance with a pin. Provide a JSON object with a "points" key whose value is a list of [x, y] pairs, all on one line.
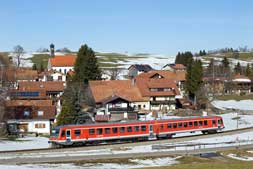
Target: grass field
{"points": [[242, 56], [40, 59], [191, 162], [235, 97]]}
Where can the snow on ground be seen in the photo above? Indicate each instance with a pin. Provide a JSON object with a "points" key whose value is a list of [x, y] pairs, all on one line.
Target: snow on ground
{"points": [[233, 104], [133, 163], [241, 158], [24, 143]]}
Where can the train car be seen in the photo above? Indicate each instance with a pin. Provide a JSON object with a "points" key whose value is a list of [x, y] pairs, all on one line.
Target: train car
{"points": [[134, 131]]}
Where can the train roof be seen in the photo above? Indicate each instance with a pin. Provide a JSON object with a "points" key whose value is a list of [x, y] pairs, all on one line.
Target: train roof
{"points": [[135, 121]]}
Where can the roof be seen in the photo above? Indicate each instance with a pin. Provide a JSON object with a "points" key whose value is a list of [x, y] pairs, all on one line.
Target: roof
{"points": [[179, 66], [122, 88], [37, 86], [12, 74], [63, 61], [241, 78], [40, 103], [177, 76], [141, 67], [146, 84]]}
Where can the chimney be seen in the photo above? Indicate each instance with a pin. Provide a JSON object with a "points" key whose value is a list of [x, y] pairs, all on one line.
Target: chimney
{"points": [[52, 50]]}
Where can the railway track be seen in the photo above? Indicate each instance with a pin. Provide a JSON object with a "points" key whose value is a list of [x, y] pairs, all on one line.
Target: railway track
{"points": [[121, 144]]}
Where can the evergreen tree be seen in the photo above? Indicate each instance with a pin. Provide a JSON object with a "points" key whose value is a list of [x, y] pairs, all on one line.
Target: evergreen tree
{"points": [[238, 68], [34, 67], [204, 52], [73, 99], [183, 58], [200, 53], [177, 60], [86, 66], [194, 77], [248, 70], [225, 62]]}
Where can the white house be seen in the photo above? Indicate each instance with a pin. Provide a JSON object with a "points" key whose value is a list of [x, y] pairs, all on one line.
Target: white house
{"points": [[62, 64]]}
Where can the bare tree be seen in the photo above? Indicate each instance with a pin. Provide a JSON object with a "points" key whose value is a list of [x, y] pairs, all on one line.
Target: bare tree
{"points": [[113, 73], [18, 51]]}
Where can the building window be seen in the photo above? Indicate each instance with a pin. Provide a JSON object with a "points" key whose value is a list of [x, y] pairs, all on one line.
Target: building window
{"points": [[60, 78], [99, 131], [40, 113], [107, 130], [40, 125], [77, 132], [91, 131], [26, 113]]}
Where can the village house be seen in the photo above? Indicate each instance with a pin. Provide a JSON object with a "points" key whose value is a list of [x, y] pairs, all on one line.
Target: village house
{"points": [[177, 77], [174, 67], [62, 64], [30, 116], [161, 90], [241, 84], [136, 69], [119, 98], [53, 75]]}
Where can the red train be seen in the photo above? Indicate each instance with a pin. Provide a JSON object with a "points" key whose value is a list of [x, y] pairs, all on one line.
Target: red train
{"points": [[134, 131]]}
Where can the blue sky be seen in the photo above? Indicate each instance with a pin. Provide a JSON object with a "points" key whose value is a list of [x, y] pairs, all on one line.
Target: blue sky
{"points": [[152, 26]]}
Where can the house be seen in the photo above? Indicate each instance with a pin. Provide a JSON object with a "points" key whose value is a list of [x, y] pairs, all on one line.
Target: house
{"points": [[161, 91], [215, 85], [241, 84], [53, 75], [178, 77], [100, 90], [174, 67], [30, 116], [136, 69], [62, 64], [52, 88], [14, 75]]}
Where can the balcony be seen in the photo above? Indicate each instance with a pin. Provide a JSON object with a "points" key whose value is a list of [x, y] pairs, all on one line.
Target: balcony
{"points": [[120, 109]]}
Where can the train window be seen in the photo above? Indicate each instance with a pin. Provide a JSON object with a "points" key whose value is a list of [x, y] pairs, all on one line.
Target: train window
{"points": [[205, 122], [122, 129], [169, 125], [63, 133], [219, 121], [195, 123], [115, 130], [179, 125], [174, 125], [129, 129], [99, 131], [77, 132], [91, 131], [185, 124], [161, 126], [200, 123], [143, 128], [190, 124], [107, 130], [136, 128], [214, 122]]}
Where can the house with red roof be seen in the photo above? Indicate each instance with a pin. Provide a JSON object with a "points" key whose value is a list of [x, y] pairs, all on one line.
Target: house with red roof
{"points": [[62, 63]]}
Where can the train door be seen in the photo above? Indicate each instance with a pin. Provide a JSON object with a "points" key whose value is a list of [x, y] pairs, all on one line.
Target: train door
{"points": [[151, 132], [68, 135]]}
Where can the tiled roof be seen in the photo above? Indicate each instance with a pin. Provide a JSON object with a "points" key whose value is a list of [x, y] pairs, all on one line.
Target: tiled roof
{"points": [[11, 103], [146, 84], [178, 76], [15, 109], [178, 66], [122, 88], [37, 86], [142, 67], [63, 61], [12, 74]]}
